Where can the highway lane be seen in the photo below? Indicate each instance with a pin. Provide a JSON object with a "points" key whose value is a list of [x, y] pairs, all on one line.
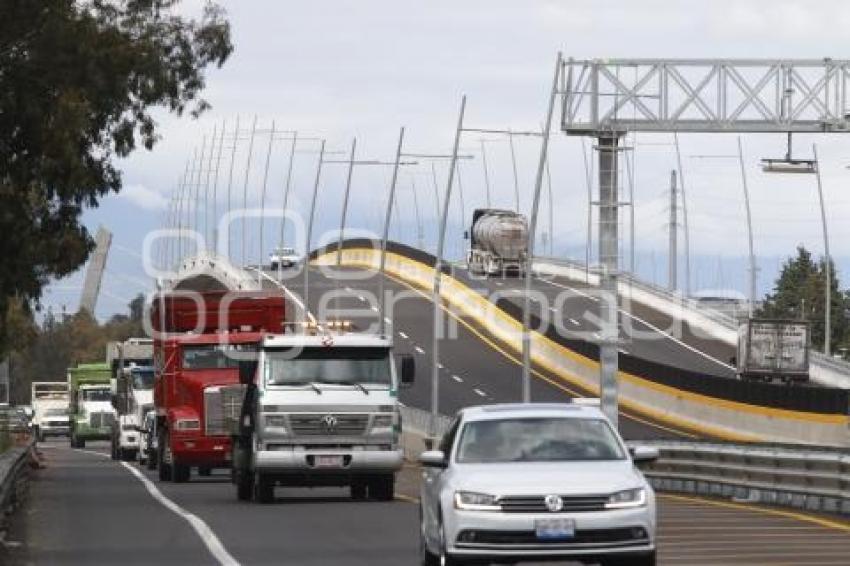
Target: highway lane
{"points": [[86, 509], [475, 369]]}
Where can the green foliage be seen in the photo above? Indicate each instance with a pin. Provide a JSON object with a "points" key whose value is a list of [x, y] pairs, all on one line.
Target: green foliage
{"points": [[799, 293], [60, 344], [79, 80]]}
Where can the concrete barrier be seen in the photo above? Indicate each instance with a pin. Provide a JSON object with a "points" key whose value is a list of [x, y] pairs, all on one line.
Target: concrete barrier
{"points": [[662, 405]]}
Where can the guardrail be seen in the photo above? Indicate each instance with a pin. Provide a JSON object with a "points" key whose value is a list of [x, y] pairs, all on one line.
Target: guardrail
{"points": [[13, 467], [812, 479]]}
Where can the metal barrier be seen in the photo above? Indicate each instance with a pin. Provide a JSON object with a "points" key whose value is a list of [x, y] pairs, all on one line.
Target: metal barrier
{"points": [[417, 421], [812, 479]]}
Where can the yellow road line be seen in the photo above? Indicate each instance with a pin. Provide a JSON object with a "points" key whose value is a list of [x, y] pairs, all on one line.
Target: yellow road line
{"points": [[518, 362], [822, 521]]}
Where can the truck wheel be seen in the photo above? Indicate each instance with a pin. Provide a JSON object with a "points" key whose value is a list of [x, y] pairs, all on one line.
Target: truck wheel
{"points": [[263, 489], [180, 472], [127, 454], [382, 488], [358, 490], [164, 467], [204, 471], [151, 460], [113, 449], [81, 443], [244, 485]]}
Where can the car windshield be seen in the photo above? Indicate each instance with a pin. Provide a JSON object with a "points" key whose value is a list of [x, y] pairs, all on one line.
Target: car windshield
{"points": [[95, 394], [214, 356], [538, 440], [56, 412], [337, 365], [142, 379]]}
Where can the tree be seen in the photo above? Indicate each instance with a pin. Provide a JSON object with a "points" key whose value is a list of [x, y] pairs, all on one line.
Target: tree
{"points": [[78, 82], [799, 293]]}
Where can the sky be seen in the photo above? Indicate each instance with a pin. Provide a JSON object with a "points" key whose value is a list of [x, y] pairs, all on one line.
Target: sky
{"points": [[337, 69]]}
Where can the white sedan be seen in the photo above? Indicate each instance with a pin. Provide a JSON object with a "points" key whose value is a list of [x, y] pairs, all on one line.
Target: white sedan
{"points": [[283, 257], [536, 481]]}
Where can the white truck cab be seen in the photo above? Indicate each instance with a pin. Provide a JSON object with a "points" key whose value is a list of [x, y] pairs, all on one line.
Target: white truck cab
{"points": [[321, 409], [134, 402]]}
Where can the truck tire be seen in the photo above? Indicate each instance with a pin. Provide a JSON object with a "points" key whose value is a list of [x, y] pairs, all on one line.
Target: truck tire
{"points": [[180, 473], [358, 490], [127, 454], [204, 471], [113, 449], [382, 488], [244, 485], [151, 460], [263, 489], [164, 467]]}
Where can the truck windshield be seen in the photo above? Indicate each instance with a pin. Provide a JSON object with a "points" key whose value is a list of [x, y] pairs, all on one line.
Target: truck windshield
{"points": [[337, 365], [95, 394], [142, 379], [214, 356], [537, 440]]}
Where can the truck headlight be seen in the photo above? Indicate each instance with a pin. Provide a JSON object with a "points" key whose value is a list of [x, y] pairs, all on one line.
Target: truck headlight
{"points": [[471, 501], [277, 423], [187, 424], [627, 498]]}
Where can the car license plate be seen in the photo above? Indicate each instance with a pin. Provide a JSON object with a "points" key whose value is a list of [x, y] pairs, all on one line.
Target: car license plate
{"points": [[328, 461], [555, 529]]}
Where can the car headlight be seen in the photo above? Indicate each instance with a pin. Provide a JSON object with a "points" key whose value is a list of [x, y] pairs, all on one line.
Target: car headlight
{"points": [[187, 424], [627, 498], [471, 501], [276, 422]]}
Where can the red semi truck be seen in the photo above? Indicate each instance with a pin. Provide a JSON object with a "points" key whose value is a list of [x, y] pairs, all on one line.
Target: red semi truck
{"points": [[197, 355]]}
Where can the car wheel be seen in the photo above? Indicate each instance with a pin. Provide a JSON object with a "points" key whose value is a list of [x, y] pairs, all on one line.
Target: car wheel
{"points": [[180, 472], [382, 488], [358, 490], [263, 489], [648, 559]]}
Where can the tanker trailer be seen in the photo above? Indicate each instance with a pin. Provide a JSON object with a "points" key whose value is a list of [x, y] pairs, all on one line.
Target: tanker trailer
{"points": [[498, 242]]}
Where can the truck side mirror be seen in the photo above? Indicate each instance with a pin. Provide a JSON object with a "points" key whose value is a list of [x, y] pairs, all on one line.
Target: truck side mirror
{"points": [[247, 371], [408, 370]]}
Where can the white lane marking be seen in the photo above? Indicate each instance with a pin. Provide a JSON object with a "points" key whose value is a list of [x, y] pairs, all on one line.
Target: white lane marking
{"points": [[648, 325], [207, 535], [204, 531], [457, 378], [402, 334], [419, 350], [440, 366], [479, 392], [574, 322], [295, 298]]}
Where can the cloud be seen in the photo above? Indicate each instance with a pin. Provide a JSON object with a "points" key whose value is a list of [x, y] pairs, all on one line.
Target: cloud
{"points": [[143, 197]]}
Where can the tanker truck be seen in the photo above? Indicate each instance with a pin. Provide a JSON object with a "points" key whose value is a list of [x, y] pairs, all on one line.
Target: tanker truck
{"points": [[498, 242]]}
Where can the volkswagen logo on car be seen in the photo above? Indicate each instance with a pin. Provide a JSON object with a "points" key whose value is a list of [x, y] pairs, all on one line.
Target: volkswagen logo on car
{"points": [[554, 503], [329, 423]]}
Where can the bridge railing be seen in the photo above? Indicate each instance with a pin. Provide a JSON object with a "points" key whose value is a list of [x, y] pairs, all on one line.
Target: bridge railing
{"points": [[811, 479]]}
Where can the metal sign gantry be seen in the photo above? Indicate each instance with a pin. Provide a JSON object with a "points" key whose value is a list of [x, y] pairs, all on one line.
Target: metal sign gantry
{"points": [[608, 98]]}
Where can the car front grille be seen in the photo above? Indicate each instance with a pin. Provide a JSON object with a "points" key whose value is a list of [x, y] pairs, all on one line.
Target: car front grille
{"points": [[328, 424], [627, 536], [101, 419], [222, 407], [536, 503]]}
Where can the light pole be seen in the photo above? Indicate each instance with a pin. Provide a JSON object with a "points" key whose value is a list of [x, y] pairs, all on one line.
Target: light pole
{"points": [[386, 233], [827, 322], [310, 231], [749, 229], [538, 184], [438, 267]]}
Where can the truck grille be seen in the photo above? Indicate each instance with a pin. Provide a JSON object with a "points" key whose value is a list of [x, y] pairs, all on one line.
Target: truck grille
{"points": [[328, 424], [222, 406], [101, 420], [536, 503]]}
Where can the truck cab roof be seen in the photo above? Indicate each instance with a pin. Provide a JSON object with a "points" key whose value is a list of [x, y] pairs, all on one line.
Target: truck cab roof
{"points": [[326, 340]]}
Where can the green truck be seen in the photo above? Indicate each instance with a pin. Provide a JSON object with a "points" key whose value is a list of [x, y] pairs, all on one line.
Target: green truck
{"points": [[92, 413]]}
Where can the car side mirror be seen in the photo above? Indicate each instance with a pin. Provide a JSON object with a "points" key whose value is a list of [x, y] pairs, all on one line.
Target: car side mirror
{"points": [[408, 370], [644, 454], [247, 371], [433, 459]]}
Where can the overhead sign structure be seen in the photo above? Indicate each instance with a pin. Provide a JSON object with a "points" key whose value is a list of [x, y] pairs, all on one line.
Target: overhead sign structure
{"points": [[705, 95]]}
